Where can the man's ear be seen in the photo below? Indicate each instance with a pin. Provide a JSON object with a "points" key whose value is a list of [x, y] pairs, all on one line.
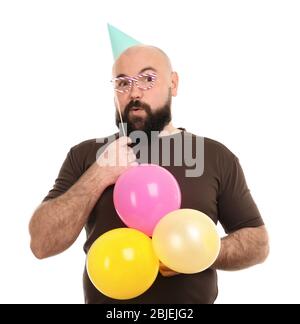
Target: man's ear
{"points": [[174, 83]]}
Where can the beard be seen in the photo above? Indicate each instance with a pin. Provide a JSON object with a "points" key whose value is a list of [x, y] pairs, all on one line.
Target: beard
{"points": [[153, 121]]}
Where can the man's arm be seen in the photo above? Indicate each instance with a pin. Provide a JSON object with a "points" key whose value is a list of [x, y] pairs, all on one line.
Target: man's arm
{"points": [[57, 223], [239, 250], [243, 249]]}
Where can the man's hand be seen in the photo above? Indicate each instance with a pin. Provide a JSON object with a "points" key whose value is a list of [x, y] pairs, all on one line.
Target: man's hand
{"points": [[117, 158], [165, 271]]}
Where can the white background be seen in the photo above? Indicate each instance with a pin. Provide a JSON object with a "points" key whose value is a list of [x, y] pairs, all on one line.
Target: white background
{"points": [[239, 70]]}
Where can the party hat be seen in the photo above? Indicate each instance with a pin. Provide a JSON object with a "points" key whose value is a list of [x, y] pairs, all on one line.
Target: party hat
{"points": [[120, 41]]}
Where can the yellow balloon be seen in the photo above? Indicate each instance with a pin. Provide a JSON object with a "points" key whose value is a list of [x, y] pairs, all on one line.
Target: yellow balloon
{"points": [[122, 264], [186, 241]]}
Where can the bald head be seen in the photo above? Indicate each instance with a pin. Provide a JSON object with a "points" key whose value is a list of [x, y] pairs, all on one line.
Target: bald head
{"points": [[141, 56]]}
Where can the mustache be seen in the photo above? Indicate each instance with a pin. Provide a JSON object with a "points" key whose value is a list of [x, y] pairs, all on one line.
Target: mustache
{"points": [[138, 104]]}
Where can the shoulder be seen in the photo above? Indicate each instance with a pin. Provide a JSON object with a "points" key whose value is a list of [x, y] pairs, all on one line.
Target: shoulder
{"points": [[214, 148], [85, 153], [218, 148], [92, 144]]}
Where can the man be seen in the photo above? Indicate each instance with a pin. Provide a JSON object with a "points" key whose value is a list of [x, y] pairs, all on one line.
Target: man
{"points": [[82, 196]]}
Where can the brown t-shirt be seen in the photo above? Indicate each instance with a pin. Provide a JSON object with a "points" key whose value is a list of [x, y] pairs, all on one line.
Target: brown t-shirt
{"points": [[220, 192]]}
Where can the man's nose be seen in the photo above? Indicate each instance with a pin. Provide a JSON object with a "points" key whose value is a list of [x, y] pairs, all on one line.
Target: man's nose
{"points": [[135, 93]]}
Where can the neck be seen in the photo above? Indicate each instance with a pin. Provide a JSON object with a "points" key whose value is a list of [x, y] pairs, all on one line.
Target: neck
{"points": [[169, 130]]}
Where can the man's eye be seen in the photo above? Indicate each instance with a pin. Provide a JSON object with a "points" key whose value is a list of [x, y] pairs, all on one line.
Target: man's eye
{"points": [[123, 83], [149, 78]]}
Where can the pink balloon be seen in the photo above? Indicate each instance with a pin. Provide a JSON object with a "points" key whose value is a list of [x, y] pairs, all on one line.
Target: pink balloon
{"points": [[144, 194]]}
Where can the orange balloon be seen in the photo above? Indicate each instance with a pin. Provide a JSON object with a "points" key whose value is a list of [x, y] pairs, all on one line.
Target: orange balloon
{"points": [[122, 264], [186, 241]]}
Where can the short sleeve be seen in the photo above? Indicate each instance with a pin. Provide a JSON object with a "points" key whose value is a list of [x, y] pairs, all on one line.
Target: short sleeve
{"points": [[69, 173], [236, 207]]}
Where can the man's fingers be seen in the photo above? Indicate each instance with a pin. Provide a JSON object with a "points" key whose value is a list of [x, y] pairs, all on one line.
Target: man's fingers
{"points": [[163, 266], [168, 273], [131, 159], [124, 140], [165, 271]]}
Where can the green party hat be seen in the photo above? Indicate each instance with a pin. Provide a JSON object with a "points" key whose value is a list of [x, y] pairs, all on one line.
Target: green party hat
{"points": [[120, 41]]}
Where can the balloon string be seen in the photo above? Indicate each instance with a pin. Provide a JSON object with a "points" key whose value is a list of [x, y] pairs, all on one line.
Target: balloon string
{"points": [[121, 118]]}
